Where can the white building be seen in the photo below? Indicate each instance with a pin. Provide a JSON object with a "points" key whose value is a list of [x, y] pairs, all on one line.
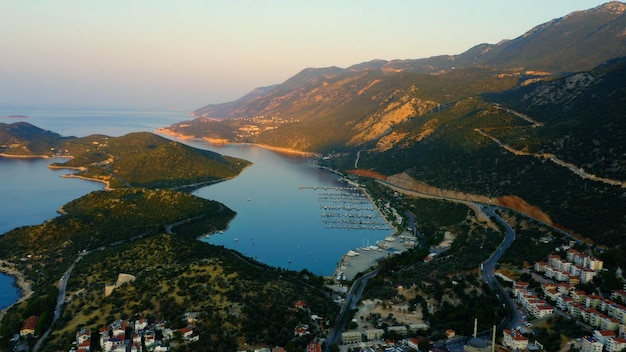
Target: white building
{"points": [[514, 340], [591, 344], [615, 344]]}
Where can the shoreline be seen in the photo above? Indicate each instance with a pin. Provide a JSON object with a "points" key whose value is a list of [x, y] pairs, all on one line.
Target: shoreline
{"points": [[20, 283], [218, 142], [23, 156], [107, 186]]}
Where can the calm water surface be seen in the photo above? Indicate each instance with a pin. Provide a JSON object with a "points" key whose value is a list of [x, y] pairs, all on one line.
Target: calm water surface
{"points": [[277, 222]]}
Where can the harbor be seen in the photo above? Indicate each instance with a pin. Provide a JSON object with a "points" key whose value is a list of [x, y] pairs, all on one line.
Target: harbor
{"points": [[367, 257], [349, 208]]}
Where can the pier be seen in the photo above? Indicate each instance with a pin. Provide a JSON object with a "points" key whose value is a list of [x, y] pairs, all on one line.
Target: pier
{"points": [[347, 208], [325, 188]]}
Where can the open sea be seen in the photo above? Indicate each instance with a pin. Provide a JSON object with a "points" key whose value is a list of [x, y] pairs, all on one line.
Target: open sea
{"points": [[285, 217]]}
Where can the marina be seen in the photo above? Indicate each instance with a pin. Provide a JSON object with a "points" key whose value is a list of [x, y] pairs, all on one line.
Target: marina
{"points": [[348, 208]]}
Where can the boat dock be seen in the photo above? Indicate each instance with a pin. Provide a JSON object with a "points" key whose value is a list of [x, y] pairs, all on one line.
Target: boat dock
{"points": [[348, 208], [330, 187]]}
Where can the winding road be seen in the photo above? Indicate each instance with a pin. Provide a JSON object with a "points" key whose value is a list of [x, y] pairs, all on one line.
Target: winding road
{"points": [[489, 267]]}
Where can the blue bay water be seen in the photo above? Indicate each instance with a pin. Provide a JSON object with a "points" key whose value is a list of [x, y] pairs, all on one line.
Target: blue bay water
{"points": [[277, 222], [8, 292]]}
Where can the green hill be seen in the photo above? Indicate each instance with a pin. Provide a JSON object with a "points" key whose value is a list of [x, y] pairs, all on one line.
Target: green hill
{"points": [[137, 159], [537, 117], [23, 139], [239, 300], [146, 160]]}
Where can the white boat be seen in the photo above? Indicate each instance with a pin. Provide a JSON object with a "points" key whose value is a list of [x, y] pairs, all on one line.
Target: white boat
{"points": [[235, 239]]}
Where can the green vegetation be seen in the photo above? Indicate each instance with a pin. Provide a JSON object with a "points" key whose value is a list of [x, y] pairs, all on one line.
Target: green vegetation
{"points": [[123, 231], [440, 128], [135, 160], [533, 242], [101, 218], [147, 160], [449, 283], [24, 139]]}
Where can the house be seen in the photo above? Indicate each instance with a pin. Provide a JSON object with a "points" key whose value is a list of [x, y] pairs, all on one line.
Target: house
{"points": [[603, 335], [301, 330], [314, 347], [351, 337], [608, 323], [587, 275], [415, 327], [29, 326], [84, 346], [514, 340], [563, 302], [540, 267], [579, 296], [141, 324], [564, 288], [552, 293], [186, 333], [591, 344], [374, 334], [82, 336], [519, 286], [414, 342], [542, 311], [592, 301], [615, 344], [450, 334], [300, 304], [191, 317], [619, 294], [400, 330]]}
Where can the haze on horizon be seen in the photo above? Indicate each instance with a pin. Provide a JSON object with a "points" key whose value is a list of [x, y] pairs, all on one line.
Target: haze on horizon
{"points": [[162, 54]]}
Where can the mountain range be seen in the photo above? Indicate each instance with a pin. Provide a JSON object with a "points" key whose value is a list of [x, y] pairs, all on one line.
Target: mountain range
{"points": [[538, 119]]}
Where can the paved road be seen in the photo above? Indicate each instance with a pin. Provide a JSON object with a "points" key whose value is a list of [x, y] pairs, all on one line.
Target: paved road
{"points": [[352, 299], [60, 301], [488, 269]]}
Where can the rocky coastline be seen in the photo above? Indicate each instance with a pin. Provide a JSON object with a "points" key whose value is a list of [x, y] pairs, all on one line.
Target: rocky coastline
{"points": [[21, 283]]}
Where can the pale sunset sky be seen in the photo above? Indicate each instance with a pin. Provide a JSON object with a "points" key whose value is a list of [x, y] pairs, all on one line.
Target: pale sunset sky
{"points": [[186, 54]]}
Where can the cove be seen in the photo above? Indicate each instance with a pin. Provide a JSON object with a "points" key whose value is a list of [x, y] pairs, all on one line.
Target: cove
{"points": [[278, 221]]}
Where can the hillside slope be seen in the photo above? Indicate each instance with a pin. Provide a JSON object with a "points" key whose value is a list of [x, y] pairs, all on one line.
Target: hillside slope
{"points": [[536, 118]]}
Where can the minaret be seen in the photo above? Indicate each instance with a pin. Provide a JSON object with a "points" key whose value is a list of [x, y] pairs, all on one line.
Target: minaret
{"points": [[493, 339]]}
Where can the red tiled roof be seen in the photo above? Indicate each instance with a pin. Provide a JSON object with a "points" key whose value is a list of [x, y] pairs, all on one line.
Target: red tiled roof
{"points": [[30, 323]]}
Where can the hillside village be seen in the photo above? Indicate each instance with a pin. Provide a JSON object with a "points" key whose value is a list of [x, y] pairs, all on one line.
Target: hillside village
{"points": [[606, 316]]}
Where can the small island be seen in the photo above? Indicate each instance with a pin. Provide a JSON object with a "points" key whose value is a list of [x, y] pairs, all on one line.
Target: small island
{"points": [[140, 159]]}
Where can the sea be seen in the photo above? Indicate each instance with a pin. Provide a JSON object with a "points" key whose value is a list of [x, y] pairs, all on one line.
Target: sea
{"points": [[291, 214]]}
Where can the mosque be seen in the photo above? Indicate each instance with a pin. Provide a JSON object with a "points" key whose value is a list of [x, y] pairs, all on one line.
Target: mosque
{"points": [[476, 344]]}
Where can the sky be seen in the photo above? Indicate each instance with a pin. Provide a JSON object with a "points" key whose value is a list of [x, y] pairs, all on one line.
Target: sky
{"points": [[187, 54]]}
